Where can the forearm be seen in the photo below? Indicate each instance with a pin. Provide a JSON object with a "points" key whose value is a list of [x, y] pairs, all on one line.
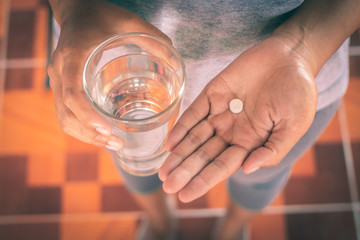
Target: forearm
{"points": [[319, 27]]}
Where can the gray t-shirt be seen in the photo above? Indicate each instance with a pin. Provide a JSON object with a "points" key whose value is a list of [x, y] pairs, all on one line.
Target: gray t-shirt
{"points": [[211, 34]]}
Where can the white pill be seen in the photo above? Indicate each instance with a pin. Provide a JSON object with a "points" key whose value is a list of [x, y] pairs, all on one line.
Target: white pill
{"points": [[236, 105]]}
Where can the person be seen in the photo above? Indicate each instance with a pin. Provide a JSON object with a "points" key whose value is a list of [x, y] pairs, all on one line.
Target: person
{"points": [[285, 60]]}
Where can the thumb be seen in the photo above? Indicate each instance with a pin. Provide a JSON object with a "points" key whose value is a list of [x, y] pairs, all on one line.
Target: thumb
{"points": [[279, 143]]}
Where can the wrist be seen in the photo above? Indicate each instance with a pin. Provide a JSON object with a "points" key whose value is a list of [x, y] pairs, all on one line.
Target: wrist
{"points": [[65, 9], [295, 39], [318, 28]]}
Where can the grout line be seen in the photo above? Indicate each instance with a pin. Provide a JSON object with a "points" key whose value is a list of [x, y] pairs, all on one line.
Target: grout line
{"points": [[48, 218], [349, 162], [22, 63], [247, 233], [3, 50], [354, 50], [309, 208], [181, 213], [200, 213]]}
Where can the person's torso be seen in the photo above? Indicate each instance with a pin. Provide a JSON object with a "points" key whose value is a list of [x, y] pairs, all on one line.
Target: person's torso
{"points": [[203, 29], [211, 34]]}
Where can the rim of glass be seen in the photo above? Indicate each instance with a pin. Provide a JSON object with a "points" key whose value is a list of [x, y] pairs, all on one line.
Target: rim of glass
{"points": [[134, 34]]}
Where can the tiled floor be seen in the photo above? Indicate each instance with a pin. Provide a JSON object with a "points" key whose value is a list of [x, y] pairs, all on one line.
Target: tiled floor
{"points": [[55, 187]]}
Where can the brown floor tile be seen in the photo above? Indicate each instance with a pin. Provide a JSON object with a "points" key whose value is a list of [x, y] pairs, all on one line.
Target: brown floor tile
{"points": [[355, 38], [269, 227], [198, 203], [44, 200], [13, 192], [27, 4], [2, 50], [28, 37], [117, 198], [321, 226], [12, 170], [352, 106], [355, 66], [196, 228], [31, 231], [316, 226], [356, 157], [82, 167], [19, 78], [305, 167], [330, 185], [17, 198], [21, 34]]}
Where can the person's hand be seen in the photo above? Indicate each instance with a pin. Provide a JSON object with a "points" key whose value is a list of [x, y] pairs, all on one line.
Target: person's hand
{"points": [[209, 142], [83, 26]]}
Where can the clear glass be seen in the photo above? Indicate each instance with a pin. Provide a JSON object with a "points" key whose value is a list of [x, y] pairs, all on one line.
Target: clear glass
{"points": [[136, 82]]}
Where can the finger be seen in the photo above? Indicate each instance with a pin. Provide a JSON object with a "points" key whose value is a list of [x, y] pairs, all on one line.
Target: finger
{"points": [[73, 127], [197, 111], [84, 111], [74, 97], [218, 170], [194, 139], [280, 142], [193, 165]]}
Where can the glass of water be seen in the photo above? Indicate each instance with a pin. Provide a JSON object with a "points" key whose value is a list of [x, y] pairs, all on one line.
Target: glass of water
{"points": [[136, 81]]}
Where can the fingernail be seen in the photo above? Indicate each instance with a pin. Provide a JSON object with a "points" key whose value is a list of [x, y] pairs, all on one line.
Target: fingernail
{"points": [[166, 188], [115, 144], [253, 169], [161, 177], [103, 131], [112, 148]]}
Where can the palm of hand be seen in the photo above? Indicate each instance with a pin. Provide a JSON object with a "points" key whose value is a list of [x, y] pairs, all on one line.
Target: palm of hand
{"points": [[210, 142]]}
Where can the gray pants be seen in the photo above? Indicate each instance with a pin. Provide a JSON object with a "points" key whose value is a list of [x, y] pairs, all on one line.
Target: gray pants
{"points": [[253, 191]]}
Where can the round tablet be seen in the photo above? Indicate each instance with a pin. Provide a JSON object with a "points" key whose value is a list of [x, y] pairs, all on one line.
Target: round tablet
{"points": [[236, 105]]}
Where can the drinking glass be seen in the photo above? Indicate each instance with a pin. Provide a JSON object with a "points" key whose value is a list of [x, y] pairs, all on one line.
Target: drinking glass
{"points": [[136, 82]]}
